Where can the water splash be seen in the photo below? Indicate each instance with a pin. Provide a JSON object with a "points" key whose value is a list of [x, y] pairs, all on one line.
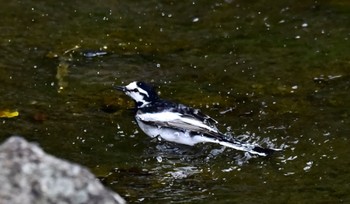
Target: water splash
{"points": [[183, 172], [308, 166]]}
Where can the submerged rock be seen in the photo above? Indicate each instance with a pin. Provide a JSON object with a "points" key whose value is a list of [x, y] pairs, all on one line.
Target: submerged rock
{"points": [[29, 175]]}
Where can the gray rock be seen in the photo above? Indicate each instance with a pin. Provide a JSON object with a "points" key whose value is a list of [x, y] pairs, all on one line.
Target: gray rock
{"points": [[29, 175]]}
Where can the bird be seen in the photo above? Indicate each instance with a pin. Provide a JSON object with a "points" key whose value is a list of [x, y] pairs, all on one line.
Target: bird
{"points": [[178, 123]]}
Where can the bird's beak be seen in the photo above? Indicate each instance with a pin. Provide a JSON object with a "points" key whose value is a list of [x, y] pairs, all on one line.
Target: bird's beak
{"points": [[120, 88]]}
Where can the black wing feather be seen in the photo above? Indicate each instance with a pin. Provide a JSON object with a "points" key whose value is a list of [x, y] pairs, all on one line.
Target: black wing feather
{"points": [[186, 112]]}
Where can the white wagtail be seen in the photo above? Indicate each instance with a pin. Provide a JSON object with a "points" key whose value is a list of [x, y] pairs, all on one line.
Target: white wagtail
{"points": [[178, 123]]}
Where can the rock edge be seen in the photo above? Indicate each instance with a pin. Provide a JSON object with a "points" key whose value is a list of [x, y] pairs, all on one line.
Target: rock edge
{"points": [[29, 175]]}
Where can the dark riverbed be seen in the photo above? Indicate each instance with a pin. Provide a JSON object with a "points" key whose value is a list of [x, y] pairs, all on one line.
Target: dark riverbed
{"points": [[277, 72]]}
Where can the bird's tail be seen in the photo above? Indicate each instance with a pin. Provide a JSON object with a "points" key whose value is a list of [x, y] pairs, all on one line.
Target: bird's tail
{"points": [[244, 146]]}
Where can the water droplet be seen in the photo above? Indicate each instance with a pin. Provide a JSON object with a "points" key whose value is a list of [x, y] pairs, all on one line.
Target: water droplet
{"points": [[159, 159], [308, 165]]}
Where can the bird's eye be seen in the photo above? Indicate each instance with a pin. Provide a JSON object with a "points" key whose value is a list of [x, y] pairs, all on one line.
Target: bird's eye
{"points": [[135, 90]]}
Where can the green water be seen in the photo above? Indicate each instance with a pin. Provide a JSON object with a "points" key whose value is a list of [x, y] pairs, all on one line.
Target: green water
{"points": [[276, 71]]}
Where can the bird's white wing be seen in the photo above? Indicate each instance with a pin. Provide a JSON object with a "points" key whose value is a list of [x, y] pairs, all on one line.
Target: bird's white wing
{"points": [[197, 114], [177, 121]]}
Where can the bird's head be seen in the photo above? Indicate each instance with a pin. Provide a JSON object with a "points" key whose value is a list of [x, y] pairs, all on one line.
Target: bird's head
{"points": [[142, 93]]}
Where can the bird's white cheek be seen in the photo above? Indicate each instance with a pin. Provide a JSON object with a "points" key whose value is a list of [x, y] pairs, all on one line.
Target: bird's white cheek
{"points": [[135, 96]]}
